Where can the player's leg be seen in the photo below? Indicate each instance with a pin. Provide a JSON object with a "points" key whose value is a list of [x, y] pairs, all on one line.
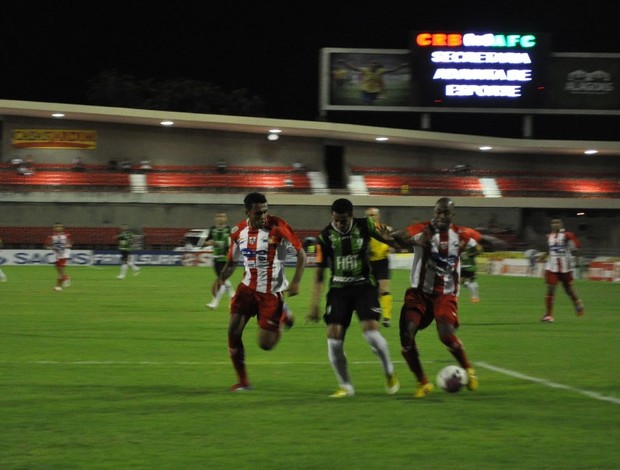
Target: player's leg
{"points": [[551, 281], [236, 324], [226, 287], [447, 322], [368, 310], [339, 311], [569, 288], [386, 300], [413, 317]]}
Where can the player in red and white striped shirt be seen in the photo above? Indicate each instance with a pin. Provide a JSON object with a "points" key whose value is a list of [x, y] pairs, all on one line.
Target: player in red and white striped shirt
{"points": [[433, 295], [262, 242], [563, 245], [60, 243]]}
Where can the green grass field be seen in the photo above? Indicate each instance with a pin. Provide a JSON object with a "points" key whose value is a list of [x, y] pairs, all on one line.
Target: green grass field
{"points": [[134, 374]]}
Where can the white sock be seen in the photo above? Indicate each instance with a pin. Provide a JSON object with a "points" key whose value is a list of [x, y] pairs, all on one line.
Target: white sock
{"points": [[473, 288], [133, 267], [338, 360], [219, 294], [123, 270], [379, 346]]}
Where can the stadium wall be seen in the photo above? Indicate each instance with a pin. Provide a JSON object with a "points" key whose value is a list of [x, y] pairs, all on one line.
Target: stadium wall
{"points": [[183, 146]]}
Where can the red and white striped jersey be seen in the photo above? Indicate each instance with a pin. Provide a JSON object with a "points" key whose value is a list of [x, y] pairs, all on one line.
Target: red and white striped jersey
{"points": [[263, 252], [561, 246], [436, 266], [60, 243]]}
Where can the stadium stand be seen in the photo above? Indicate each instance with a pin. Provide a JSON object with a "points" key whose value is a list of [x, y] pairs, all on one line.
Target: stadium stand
{"points": [[236, 179], [162, 178], [54, 180], [513, 183]]}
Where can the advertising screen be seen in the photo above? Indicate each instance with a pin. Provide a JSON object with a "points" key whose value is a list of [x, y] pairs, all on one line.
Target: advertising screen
{"points": [[365, 79], [478, 69]]}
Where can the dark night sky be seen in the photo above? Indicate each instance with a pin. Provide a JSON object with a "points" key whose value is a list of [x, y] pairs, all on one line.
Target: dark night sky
{"points": [[50, 50]]}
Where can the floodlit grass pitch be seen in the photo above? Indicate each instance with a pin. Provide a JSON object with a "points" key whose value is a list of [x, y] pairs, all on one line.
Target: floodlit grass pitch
{"points": [[134, 374]]}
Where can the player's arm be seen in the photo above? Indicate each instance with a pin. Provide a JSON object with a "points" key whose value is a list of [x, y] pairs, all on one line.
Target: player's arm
{"points": [[382, 233], [418, 234], [573, 244], [317, 290], [300, 265], [473, 251], [317, 285]]}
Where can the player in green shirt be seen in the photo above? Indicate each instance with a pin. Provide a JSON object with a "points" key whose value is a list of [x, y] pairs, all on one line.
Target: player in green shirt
{"points": [[343, 247], [125, 246], [219, 239]]}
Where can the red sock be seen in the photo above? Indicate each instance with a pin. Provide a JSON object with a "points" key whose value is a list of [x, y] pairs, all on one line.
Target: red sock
{"points": [[413, 361], [237, 355], [549, 305], [455, 347]]}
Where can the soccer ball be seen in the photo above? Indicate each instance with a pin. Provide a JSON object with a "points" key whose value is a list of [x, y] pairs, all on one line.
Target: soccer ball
{"points": [[452, 378]]}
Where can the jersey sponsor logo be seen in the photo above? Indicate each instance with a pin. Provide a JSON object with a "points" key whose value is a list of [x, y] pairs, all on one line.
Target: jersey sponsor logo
{"points": [[347, 263]]}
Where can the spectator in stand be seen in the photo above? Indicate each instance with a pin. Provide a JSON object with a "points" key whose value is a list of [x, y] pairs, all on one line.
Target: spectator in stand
{"points": [[145, 165], [222, 167], [78, 164], [562, 246], [60, 243]]}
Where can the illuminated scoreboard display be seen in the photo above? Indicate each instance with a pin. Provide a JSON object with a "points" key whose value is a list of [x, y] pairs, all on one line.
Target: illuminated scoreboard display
{"points": [[478, 70]]}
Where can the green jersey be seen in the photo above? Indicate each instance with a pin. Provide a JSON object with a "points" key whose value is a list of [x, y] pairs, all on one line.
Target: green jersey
{"points": [[220, 236], [346, 254], [468, 261], [125, 240]]}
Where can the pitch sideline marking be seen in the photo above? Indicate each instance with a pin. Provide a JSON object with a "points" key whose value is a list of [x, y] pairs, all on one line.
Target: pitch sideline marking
{"points": [[548, 383], [484, 365]]}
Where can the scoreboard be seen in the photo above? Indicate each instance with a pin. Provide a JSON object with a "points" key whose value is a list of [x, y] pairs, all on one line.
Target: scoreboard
{"points": [[478, 70]]}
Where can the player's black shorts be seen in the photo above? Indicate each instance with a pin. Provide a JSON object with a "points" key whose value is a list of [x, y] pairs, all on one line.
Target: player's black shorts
{"points": [[465, 274], [381, 268], [219, 265], [343, 301], [125, 256]]}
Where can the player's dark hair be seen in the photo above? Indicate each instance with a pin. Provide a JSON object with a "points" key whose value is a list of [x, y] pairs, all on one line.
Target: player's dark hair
{"points": [[254, 198], [342, 206], [445, 201]]}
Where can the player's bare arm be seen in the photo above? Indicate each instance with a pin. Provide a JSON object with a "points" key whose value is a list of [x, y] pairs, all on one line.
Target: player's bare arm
{"points": [[317, 289], [293, 288]]}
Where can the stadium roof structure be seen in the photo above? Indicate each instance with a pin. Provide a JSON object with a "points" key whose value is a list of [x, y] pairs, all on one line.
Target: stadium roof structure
{"points": [[310, 129]]}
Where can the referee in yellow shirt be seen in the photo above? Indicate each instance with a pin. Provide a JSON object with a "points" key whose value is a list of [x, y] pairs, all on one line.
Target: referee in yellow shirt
{"points": [[380, 263]]}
